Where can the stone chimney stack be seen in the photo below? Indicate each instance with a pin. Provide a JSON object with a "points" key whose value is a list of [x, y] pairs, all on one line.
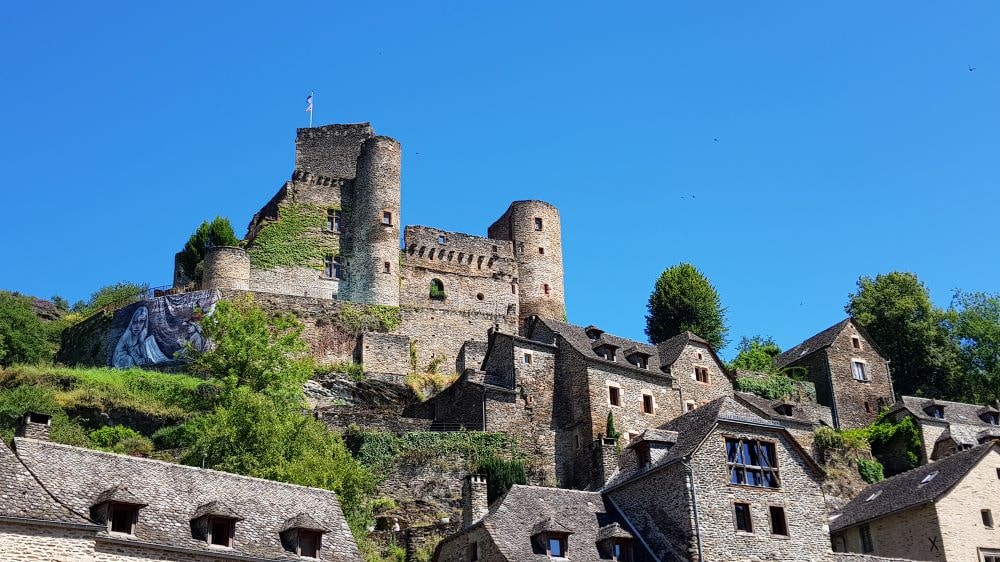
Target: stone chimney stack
{"points": [[35, 426], [474, 502], [605, 461]]}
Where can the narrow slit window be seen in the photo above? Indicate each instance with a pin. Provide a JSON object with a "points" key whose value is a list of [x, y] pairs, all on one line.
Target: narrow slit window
{"points": [[779, 525], [386, 267], [856, 342], [387, 218], [867, 545], [987, 516], [546, 289], [541, 251], [527, 359]]}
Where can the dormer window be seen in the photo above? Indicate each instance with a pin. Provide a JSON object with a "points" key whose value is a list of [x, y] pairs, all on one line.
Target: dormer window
{"points": [[642, 455], [606, 352], [593, 332], [556, 546], [222, 531], [784, 409], [992, 418], [621, 550], [302, 535], [936, 411], [118, 509], [122, 518], [215, 523]]}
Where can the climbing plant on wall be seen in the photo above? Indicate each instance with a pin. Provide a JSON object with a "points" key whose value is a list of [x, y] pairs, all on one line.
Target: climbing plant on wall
{"points": [[296, 239]]}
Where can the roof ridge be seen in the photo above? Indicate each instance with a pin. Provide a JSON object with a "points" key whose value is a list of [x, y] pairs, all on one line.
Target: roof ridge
{"points": [[168, 463]]}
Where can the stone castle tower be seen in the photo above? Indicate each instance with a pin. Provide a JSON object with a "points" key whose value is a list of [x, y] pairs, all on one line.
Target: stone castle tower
{"points": [[533, 228]]}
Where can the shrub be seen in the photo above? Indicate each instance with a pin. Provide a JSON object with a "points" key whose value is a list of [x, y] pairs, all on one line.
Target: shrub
{"points": [[870, 470], [500, 475], [23, 338], [773, 387], [114, 296], [109, 436], [172, 437]]}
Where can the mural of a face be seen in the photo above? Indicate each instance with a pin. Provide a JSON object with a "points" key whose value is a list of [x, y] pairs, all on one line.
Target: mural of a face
{"points": [[138, 323]]}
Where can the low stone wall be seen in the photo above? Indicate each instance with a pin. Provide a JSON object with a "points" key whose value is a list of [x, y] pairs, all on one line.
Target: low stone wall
{"points": [[87, 342], [440, 334]]}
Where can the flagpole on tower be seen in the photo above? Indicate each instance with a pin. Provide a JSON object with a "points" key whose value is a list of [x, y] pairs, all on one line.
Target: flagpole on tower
{"points": [[309, 108]]}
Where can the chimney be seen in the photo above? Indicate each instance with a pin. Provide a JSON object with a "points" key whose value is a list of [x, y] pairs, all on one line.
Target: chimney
{"points": [[35, 426], [474, 503], [605, 461]]}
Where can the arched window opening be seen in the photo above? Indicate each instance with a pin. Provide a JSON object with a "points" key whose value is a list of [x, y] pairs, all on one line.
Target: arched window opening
{"points": [[437, 290]]}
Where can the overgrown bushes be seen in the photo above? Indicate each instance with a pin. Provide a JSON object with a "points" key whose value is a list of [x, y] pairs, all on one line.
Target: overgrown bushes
{"points": [[773, 386], [500, 475]]}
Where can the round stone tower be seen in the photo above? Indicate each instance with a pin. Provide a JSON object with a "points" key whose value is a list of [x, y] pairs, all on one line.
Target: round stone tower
{"points": [[534, 229], [372, 257], [226, 267]]}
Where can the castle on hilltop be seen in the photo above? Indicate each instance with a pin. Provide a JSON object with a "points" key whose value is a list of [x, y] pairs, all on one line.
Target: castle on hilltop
{"points": [[341, 240]]}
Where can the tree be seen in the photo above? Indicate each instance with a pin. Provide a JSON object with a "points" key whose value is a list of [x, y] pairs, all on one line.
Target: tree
{"points": [[973, 320], [897, 312], [252, 349], [23, 338], [218, 232], [118, 294], [612, 433], [684, 299], [756, 353]]}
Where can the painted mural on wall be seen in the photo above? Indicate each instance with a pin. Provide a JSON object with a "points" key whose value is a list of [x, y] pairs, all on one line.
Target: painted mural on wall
{"points": [[153, 332]]}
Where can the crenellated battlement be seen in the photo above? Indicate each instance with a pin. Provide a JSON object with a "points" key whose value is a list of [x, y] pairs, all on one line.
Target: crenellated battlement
{"points": [[336, 130], [304, 176]]}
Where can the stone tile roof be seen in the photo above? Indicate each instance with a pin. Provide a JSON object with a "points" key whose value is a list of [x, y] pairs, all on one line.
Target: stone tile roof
{"points": [[176, 494], [671, 349], [119, 494], [525, 510], [576, 337], [655, 436], [819, 341], [613, 531], [911, 488], [23, 497], [767, 409], [954, 412]]}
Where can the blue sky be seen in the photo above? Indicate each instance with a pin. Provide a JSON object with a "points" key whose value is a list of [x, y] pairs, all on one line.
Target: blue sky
{"points": [[852, 138]]}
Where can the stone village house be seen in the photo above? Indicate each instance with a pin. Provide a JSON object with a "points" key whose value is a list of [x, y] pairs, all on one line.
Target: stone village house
{"points": [[60, 503], [851, 374], [718, 483], [944, 510]]}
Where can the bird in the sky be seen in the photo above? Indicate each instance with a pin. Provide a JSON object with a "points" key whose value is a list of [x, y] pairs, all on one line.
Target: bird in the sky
{"points": [[716, 139], [971, 68]]}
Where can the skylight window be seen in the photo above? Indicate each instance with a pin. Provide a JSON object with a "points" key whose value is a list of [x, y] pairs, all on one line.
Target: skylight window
{"points": [[873, 496], [928, 478]]}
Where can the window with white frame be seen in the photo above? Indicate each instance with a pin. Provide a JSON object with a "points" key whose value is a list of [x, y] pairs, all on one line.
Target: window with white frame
{"points": [[860, 370]]}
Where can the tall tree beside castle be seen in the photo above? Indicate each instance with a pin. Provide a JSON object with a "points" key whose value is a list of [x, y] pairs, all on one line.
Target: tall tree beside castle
{"points": [[683, 299], [896, 310]]}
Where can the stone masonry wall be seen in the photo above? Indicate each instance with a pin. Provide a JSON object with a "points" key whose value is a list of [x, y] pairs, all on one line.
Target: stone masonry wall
{"points": [[799, 494], [852, 395], [930, 432], [906, 534], [961, 524], [659, 506], [632, 384], [441, 333], [331, 150], [700, 393], [385, 353], [32, 542], [298, 281], [226, 268]]}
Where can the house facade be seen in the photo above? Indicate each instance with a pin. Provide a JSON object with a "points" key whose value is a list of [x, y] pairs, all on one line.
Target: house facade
{"points": [[68, 504], [851, 374], [943, 511], [947, 427]]}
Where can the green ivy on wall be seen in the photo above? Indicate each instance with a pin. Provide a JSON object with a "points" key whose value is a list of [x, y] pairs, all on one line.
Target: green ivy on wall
{"points": [[296, 239], [357, 318]]}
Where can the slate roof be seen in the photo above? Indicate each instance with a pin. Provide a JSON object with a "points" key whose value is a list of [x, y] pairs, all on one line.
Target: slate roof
{"points": [[905, 490], [819, 341], [766, 408], [22, 497], [176, 494], [119, 494], [654, 436], [577, 338], [524, 510], [954, 412], [670, 350]]}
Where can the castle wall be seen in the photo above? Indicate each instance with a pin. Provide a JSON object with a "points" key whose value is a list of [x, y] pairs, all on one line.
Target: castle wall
{"points": [[439, 334], [385, 353], [534, 229], [372, 242], [477, 273], [298, 281]]}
